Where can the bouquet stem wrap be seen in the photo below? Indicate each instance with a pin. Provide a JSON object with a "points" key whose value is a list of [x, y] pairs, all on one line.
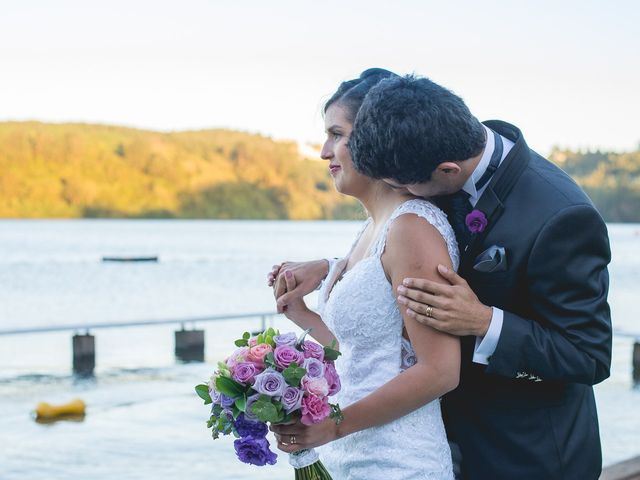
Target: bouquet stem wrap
{"points": [[308, 466]]}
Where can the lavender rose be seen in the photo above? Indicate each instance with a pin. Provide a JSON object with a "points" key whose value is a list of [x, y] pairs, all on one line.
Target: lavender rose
{"points": [[313, 350], [314, 368], [292, 399], [476, 221], [270, 383], [213, 393], [289, 339], [254, 451], [245, 372], [226, 401], [250, 428], [286, 355]]}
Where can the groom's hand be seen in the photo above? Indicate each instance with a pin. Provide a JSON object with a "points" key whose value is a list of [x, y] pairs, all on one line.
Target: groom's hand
{"points": [[453, 308]]}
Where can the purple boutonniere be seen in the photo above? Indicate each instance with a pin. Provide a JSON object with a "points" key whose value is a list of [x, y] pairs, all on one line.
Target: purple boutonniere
{"points": [[476, 221]]}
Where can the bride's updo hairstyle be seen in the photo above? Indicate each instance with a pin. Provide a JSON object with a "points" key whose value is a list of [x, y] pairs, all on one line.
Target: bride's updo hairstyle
{"points": [[351, 93]]}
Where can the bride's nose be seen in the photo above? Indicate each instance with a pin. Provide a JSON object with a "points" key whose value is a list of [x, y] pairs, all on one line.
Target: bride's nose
{"points": [[326, 153]]}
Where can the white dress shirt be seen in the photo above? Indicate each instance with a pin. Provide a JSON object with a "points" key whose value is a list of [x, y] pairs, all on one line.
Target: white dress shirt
{"points": [[485, 346]]}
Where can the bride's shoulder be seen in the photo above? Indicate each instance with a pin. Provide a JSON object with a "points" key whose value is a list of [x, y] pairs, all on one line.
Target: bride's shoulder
{"points": [[422, 208]]}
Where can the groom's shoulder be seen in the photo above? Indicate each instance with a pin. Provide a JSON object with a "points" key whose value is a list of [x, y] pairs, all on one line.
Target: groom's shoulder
{"points": [[552, 185]]}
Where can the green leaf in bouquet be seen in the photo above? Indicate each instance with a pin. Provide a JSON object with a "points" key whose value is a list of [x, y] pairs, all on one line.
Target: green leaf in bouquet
{"points": [[265, 410], [246, 335], [212, 420], [236, 412], [260, 339], [241, 342], [330, 353], [270, 361], [203, 392], [229, 387], [293, 374], [241, 403]]}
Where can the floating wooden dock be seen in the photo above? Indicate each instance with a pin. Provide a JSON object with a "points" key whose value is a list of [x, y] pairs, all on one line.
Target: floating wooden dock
{"points": [[627, 470], [130, 259]]}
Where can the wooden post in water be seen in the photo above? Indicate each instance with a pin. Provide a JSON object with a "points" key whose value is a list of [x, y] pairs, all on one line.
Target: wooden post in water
{"points": [[84, 354], [190, 345], [636, 362]]}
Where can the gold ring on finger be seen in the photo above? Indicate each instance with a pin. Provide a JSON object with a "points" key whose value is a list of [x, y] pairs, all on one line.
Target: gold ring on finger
{"points": [[429, 311], [292, 439]]}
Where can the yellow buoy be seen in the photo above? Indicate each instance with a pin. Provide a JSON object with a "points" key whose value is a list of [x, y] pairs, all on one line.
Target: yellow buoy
{"points": [[46, 411]]}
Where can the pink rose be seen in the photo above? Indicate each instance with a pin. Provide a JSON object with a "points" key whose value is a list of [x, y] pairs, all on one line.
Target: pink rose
{"points": [[333, 380], [314, 409], [316, 386], [256, 354], [253, 342]]}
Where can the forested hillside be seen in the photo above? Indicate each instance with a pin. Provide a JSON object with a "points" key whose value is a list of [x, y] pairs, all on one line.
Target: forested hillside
{"points": [[80, 170], [77, 170]]}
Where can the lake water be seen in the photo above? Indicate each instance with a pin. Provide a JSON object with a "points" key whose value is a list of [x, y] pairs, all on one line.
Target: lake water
{"points": [[143, 419]]}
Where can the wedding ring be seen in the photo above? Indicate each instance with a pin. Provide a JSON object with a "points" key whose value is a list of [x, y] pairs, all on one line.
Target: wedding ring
{"points": [[292, 439], [429, 311]]}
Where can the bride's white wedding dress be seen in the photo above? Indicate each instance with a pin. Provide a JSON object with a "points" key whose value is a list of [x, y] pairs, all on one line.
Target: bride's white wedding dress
{"points": [[361, 312]]}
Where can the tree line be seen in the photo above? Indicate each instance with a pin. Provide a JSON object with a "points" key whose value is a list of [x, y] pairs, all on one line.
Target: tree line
{"points": [[101, 171]]}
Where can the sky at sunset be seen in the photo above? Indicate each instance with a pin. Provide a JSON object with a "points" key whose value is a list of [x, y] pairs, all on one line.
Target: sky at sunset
{"points": [[567, 73]]}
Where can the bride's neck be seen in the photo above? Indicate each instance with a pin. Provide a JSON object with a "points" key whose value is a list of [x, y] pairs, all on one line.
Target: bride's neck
{"points": [[381, 200]]}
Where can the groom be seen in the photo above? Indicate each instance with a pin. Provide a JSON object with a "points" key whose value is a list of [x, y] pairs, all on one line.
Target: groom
{"points": [[530, 298]]}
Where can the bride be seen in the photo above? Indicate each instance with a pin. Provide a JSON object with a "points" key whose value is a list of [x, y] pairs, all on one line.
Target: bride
{"points": [[393, 370]]}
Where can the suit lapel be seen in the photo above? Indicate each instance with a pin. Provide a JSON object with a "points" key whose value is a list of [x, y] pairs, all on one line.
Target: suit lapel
{"points": [[491, 203]]}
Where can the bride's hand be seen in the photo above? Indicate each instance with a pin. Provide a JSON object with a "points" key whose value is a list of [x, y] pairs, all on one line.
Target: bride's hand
{"points": [[296, 306], [308, 275], [296, 436]]}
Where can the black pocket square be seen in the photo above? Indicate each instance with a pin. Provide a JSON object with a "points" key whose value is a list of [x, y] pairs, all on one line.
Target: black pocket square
{"points": [[493, 259]]}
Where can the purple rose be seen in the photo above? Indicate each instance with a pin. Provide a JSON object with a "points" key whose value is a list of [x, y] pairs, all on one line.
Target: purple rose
{"points": [[248, 414], [286, 355], [289, 339], [332, 377], [313, 350], [254, 451], [250, 428], [226, 401], [476, 221], [314, 368], [292, 399], [244, 372], [270, 383]]}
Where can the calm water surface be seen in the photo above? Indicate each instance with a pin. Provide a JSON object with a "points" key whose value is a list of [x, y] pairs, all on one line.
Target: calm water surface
{"points": [[143, 419]]}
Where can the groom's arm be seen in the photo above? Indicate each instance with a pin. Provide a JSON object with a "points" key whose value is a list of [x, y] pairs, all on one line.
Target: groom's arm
{"points": [[569, 337]]}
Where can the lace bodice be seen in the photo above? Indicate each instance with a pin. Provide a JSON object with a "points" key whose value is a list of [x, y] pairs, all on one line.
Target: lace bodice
{"points": [[362, 313]]}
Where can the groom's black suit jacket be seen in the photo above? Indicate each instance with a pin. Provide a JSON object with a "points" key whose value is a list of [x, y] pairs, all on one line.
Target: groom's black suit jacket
{"points": [[530, 413]]}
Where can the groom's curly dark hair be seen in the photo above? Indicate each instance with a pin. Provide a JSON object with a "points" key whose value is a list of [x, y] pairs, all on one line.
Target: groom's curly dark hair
{"points": [[406, 126]]}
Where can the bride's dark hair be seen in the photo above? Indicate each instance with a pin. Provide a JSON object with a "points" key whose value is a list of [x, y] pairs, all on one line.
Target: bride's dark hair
{"points": [[351, 93]]}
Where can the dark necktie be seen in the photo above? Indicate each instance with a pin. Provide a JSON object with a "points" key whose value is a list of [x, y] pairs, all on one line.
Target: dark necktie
{"points": [[457, 206]]}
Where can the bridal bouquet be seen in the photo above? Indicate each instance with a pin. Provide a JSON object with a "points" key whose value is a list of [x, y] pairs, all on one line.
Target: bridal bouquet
{"points": [[272, 378]]}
